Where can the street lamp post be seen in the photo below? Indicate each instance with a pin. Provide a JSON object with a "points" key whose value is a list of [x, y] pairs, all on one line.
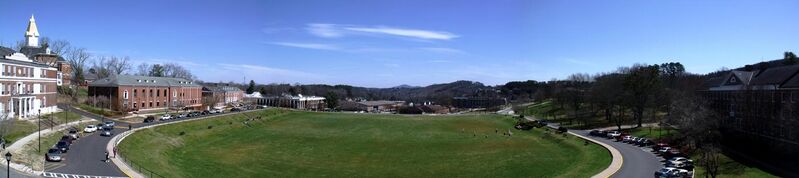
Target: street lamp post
{"points": [[8, 164], [40, 129]]}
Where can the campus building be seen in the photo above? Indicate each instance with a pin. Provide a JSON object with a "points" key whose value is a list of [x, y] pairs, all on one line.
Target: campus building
{"points": [[222, 94], [759, 108], [134, 93], [40, 53], [287, 101], [379, 106], [27, 87]]}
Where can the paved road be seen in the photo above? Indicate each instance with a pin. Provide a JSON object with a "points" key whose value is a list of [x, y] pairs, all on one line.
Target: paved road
{"points": [[638, 161]]}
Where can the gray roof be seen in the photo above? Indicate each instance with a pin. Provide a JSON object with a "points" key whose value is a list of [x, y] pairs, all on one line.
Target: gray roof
{"points": [[775, 75], [221, 88], [381, 102], [133, 80], [6, 51]]}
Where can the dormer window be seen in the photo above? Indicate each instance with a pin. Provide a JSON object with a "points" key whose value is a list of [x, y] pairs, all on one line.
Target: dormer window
{"points": [[139, 80]]}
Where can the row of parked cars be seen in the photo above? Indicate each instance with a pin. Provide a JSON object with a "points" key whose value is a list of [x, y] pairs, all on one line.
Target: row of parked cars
{"points": [[676, 163], [56, 153]]}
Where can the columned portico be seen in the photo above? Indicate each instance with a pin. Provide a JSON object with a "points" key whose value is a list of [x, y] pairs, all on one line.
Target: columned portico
{"points": [[23, 106]]}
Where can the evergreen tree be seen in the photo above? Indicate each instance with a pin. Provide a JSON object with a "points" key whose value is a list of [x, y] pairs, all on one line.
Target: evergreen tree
{"points": [[251, 87]]}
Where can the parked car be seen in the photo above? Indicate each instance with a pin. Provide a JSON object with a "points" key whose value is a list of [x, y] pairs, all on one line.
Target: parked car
{"points": [[663, 150], [67, 139], [73, 133], [657, 146], [595, 133], [90, 128], [205, 112], [673, 153], [626, 139], [679, 159], [260, 107], [643, 142], [621, 137], [613, 134], [109, 124], [219, 111], [664, 172], [183, 115], [53, 154], [106, 132], [166, 117], [149, 119], [63, 146], [679, 173], [235, 109]]}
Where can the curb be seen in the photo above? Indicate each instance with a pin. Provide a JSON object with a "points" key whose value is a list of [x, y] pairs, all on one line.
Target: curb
{"points": [[616, 162]]}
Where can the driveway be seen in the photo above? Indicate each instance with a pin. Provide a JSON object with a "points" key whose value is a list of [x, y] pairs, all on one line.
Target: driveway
{"points": [[638, 161]]}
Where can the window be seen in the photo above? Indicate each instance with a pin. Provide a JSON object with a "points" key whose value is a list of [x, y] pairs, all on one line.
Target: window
{"points": [[134, 93], [157, 104], [151, 93], [125, 95], [165, 94], [151, 104]]}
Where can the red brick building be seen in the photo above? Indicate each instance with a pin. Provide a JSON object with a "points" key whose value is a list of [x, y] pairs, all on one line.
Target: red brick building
{"points": [[26, 87], [133, 93]]}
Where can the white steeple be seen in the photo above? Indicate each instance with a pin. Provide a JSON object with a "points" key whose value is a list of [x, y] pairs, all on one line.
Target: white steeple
{"points": [[32, 34]]}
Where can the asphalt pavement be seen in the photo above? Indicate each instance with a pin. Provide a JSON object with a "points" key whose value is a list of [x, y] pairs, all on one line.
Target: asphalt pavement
{"points": [[638, 161], [14, 173]]}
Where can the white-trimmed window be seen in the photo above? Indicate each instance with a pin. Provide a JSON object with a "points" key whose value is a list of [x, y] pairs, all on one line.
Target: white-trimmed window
{"points": [[125, 94]]}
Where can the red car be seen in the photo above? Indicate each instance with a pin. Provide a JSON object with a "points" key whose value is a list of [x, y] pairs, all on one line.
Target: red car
{"points": [[621, 137]]}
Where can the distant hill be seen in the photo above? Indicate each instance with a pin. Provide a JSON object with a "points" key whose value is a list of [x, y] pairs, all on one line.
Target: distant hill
{"points": [[438, 93]]}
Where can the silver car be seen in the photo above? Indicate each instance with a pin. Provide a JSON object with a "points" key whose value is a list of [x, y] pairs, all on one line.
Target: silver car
{"points": [[53, 154]]}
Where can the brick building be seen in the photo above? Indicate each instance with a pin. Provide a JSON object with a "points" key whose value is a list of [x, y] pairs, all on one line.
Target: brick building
{"points": [[132, 93], [222, 94], [759, 108], [26, 87]]}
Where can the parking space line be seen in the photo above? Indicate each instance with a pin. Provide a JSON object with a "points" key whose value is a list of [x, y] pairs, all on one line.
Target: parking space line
{"points": [[62, 175]]}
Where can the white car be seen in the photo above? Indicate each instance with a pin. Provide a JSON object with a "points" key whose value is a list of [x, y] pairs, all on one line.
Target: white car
{"points": [[90, 129], [219, 111], [166, 117], [665, 172], [614, 134], [679, 160]]}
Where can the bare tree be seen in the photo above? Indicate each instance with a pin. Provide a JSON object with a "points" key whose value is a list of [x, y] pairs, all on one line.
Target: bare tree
{"points": [[143, 69], [77, 57], [177, 71], [6, 125], [113, 65]]}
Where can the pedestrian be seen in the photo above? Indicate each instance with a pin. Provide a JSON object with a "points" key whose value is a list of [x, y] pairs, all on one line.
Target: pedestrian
{"points": [[106, 157], [115, 152]]}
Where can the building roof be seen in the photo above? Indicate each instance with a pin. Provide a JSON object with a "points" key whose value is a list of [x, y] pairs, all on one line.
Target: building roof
{"points": [[380, 102], [221, 88], [134, 80], [6, 51], [775, 75]]}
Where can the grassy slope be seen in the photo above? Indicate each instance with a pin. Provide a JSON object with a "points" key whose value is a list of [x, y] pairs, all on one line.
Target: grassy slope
{"points": [[347, 145]]}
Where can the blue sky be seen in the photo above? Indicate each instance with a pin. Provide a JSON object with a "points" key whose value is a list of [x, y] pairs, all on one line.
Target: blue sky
{"points": [[416, 42]]}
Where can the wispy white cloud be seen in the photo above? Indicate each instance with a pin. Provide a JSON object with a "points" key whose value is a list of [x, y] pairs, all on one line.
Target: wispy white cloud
{"points": [[444, 50], [413, 33], [325, 30], [308, 45], [339, 30]]}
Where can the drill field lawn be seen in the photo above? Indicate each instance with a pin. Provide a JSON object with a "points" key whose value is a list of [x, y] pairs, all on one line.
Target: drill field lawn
{"points": [[286, 143]]}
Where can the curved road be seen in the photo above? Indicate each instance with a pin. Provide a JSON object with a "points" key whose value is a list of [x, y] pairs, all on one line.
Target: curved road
{"points": [[638, 161]]}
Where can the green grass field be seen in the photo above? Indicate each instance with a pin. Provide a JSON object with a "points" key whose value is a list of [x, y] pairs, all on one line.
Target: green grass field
{"points": [[303, 144]]}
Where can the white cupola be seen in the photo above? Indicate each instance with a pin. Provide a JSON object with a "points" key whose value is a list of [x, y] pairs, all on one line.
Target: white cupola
{"points": [[32, 34]]}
